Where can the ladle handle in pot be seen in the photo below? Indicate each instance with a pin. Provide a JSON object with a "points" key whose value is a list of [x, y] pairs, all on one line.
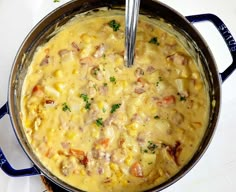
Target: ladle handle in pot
{"points": [[4, 164], [225, 33]]}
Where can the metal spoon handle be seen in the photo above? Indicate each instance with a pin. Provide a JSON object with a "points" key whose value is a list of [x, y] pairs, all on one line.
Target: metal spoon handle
{"points": [[131, 19]]}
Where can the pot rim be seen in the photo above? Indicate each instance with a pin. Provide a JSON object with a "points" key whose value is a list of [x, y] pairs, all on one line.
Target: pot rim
{"points": [[26, 147]]}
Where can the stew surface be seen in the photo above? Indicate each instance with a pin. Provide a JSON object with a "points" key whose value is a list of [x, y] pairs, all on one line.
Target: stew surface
{"points": [[100, 126]]}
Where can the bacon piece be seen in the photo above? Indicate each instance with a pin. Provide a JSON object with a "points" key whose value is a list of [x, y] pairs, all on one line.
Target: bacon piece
{"points": [[175, 151], [139, 90], [104, 142], [65, 145], [80, 155], [150, 69], [136, 170], [178, 59], [74, 45], [167, 101], [139, 72], [44, 61], [38, 90], [100, 50], [49, 101], [86, 61], [63, 52]]}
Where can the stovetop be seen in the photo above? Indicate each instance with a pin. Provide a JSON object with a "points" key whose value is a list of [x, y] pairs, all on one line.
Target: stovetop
{"points": [[215, 171]]}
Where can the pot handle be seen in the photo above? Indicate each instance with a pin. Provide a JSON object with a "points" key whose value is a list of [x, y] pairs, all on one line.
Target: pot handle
{"points": [[4, 164], [225, 33]]}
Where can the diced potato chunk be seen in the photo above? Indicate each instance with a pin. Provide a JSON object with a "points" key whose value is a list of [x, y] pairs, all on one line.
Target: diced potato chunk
{"points": [[148, 163]]}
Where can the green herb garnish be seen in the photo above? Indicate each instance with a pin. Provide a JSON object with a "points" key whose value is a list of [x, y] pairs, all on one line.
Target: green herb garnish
{"points": [[104, 110], [115, 107], [145, 150], [99, 122], [55, 1], [181, 97], [156, 117], [114, 25], [154, 41], [113, 79], [87, 106], [65, 107], [104, 84], [84, 97], [152, 146], [160, 79], [86, 100]]}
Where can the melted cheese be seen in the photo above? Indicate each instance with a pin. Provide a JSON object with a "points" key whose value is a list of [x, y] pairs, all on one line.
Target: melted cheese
{"points": [[100, 126]]}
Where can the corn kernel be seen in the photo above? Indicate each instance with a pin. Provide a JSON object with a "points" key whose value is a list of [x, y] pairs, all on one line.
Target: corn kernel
{"points": [[198, 86], [83, 110], [195, 75], [161, 172], [118, 174], [128, 160], [114, 167], [55, 157], [124, 182], [133, 133], [28, 123], [119, 61], [100, 105], [75, 71], [153, 110], [70, 135], [82, 172], [87, 38], [95, 133], [133, 126], [58, 73], [124, 83], [59, 86]]}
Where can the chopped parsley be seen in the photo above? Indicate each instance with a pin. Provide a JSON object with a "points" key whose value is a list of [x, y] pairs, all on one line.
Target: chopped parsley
{"points": [[113, 79], [182, 97], [114, 25], [151, 146], [104, 84], [65, 107], [115, 107], [154, 41], [87, 105], [160, 79], [156, 117], [99, 122], [86, 100], [95, 71], [145, 151], [55, 1], [84, 97]]}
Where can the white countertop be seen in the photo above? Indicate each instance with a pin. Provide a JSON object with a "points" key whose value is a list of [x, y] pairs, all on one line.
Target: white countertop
{"points": [[216, 171]]}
